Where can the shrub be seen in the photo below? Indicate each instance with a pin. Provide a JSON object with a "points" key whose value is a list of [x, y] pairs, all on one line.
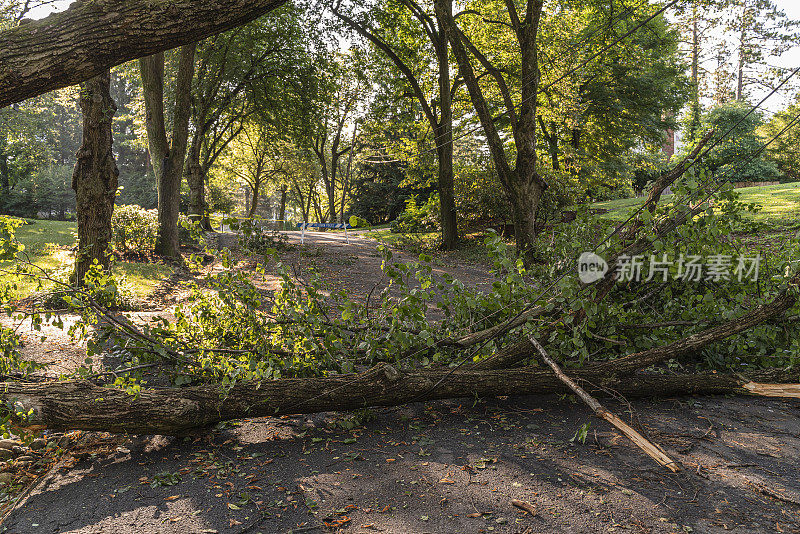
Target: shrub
{"points": [[416, 218], [135, 229], [254, 238]]}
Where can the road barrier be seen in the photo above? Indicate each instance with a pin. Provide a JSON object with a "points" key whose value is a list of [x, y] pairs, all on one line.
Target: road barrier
{"points": [[338, 226]]}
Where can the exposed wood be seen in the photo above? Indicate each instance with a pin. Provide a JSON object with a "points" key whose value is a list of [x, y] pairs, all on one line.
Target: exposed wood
{"points": [[84, 405], [92, 36], [653, 451], [773, 390]]}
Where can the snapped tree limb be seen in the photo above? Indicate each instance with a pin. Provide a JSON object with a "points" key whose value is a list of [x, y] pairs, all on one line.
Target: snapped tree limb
{"points": [[783, 302], [653, 451], [84, 405]]}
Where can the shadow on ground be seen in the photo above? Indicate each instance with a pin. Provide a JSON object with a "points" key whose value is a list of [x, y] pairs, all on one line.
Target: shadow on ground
{"points": [[443, 467]]}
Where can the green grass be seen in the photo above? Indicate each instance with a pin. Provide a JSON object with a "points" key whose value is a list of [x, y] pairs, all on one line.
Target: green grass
{"points": [[385, 235], [780, 204], [143, 278], [48, 244], [41, 236]]}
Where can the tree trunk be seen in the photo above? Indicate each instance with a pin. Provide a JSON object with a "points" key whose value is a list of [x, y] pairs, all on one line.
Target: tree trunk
{"points": [[444, 147], [168, 159], [284, 193], [522, 183], [694, 110], [95, 176], [528, 188], [441, 126], [742, 46], [196, 180], [5, 180], [254, 200], [347, 179], [169, 411], [90, 37]]}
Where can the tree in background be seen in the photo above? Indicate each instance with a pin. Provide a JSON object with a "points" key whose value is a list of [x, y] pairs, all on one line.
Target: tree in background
{"points": [[257, 157], [329, 107], [401, 30], [95, 176], [762, 30], [623, 100], [238, 73], [167, 156], [518, 90], [697, 22], [784, 152], [741, 145]]}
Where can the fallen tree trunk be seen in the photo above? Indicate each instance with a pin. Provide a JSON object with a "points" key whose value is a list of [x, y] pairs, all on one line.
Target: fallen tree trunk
{"points": [[169, 411], [93, 36]]}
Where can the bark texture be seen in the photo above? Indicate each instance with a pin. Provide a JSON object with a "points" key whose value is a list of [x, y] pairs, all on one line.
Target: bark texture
{"points": [[92, 36], [523, 185], [95, 177], [168, 157], [441, 122], [169, 411]]}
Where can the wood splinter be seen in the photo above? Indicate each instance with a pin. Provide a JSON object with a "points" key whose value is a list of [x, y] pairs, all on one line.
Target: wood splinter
{"points": [[773, 390], [653, 451]]}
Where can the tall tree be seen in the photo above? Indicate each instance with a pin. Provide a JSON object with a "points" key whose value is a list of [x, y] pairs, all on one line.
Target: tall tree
{"points": [[95, 176], [763, 31], [522, 183], [238, 73], [257, 157], [392, 41], [698, 21], [167, 156], [624, 99], [329, 104]]}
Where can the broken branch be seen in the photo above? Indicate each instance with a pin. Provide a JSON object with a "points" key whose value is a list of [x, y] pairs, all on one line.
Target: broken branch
{"points": [[653, 451]]}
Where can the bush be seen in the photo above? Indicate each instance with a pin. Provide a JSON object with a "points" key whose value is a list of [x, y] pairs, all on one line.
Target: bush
{"points": [[416, 218], [480, 198], [254, 238], [135, 229]]}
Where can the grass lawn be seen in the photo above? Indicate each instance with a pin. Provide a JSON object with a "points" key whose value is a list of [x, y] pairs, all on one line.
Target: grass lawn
{"points": [[779, 203], [49, 245]]}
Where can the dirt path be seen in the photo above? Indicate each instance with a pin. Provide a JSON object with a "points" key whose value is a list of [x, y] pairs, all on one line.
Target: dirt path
{"points": [[356, 266]]}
